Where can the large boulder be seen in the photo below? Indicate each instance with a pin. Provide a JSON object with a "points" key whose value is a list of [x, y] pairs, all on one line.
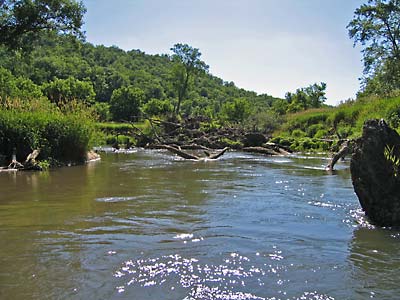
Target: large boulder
{"points": [[254, 139], [375, 172]]}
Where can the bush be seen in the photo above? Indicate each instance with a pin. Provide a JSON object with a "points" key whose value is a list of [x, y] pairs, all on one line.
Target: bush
{"points": [[298, 133], [66, 90], [313, 129], [125, 103], [320, 134], [60, 136], [156, 107]]}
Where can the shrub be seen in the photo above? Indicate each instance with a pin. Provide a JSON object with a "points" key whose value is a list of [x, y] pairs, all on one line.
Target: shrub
{"points": [[125, 103], [156, 107], [298, 133], [322, 133], [60, 136]]}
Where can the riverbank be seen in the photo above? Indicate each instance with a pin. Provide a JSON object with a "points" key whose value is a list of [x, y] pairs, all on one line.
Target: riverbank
{"points": [[57, 135]]}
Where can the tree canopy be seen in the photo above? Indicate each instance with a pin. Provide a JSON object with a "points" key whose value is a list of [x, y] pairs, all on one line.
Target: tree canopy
{"points": [[21, 21], [375, 26], [62, 68], [188, 63], [312, 96]]}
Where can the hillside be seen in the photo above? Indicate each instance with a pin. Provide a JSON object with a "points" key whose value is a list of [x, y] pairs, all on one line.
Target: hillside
{"points": [[320, 128], [65, 68]]}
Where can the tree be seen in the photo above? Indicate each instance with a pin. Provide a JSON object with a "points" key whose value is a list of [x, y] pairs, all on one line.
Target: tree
{"points": [[65, 90], [125, 103], [375, 26], [21, 21], [157, 107], [17, 87], [237, 110], [188, 64], [312, 96]]}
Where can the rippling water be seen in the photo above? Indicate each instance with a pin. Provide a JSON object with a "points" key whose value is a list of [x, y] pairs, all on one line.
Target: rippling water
{"points": [[147, 225]]}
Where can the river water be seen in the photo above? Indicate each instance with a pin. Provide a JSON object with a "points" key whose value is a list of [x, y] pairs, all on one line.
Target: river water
{"points": [[148, 225]]}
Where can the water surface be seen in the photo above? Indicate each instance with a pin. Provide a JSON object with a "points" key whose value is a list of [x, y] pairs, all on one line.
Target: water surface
{"points": [[148, 225]]}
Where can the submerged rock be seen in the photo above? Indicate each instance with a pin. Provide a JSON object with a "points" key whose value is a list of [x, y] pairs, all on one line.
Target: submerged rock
{"points": [[375, 172]]}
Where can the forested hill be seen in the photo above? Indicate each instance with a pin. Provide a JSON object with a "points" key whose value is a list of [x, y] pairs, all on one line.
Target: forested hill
{"points": [[65, 68]]}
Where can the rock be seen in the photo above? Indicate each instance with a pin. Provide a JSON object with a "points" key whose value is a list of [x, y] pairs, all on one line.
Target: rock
{"points": [[375, 172], [254, 139]]}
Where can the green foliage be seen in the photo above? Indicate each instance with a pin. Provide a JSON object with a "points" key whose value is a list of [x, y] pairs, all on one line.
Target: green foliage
{"points": [[65, 90], [390, 155], [236, 111], [103, 111], [17, 87], [187, 64], [156, 107], [125, 103], [375, 26], [26, 126], [56, 58], [21, 21], [312, 96], [298, 133], [226, 142], [280, 106], [264, 121], [344, 121], [321, 134], [304, 120], [302, 143]]}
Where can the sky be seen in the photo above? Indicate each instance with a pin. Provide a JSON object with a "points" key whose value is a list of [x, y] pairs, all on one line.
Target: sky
{"points": [[267, 46]]}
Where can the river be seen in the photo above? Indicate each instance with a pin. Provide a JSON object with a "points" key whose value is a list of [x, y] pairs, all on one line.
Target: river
{"points": [[148, 225]]}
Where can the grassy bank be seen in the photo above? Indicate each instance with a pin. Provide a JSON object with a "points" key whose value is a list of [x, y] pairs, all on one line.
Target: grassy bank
{"points": [[319, 129], [63, 135]]}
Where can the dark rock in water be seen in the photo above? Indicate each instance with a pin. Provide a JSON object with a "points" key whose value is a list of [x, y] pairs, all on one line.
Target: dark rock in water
{"points": [[254, 139], [375, 172]]}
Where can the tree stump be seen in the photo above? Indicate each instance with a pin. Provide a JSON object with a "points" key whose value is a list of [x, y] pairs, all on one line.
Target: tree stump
{"points": [[375, 172]]}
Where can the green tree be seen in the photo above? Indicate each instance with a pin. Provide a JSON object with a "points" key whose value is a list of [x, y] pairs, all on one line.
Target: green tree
{"points": [[17, 87], [237, 110], [187, 64], [157, 107], [375, 26], [65, 90], [22, 21], [125, 103], [312, 96]]}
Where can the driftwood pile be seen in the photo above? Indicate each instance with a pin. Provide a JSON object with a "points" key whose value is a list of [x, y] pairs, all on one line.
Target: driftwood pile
{"points": [[30, 163], [189, 135]]}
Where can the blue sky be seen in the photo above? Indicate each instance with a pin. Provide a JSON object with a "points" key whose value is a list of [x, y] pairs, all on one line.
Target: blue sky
{"points": [[268, 46]]}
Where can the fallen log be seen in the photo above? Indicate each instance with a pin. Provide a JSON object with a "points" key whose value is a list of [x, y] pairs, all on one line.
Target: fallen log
{"points": [[186, 155], [261, 150], [219, 154], [345, 150]]}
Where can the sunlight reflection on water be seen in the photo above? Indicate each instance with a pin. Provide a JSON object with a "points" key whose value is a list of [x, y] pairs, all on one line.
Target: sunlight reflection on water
{"points": [[227, 280], [147, 225]]}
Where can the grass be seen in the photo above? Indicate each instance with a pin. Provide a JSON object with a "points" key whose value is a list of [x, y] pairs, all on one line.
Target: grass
{"points": [[62, 134], [345, 120]]}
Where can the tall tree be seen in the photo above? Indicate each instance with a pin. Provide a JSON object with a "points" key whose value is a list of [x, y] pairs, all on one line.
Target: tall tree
{"points": [[21, 21], [376, 26], [188, 64], [312, 96]]}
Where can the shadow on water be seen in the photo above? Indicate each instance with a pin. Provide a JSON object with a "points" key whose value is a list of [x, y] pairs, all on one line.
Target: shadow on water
{"points": [[375, 259]]}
